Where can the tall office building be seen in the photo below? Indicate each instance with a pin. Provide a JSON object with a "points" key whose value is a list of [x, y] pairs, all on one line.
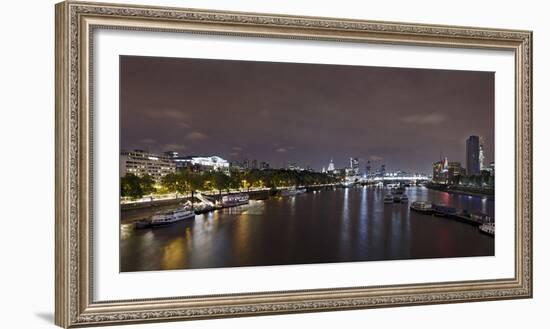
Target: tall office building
{"points": [[368, 168], [472, 155], [481, 158], [354, 165]]}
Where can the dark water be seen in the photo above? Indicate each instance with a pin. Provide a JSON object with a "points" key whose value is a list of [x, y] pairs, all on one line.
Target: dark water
{"points": [[343, 225]]}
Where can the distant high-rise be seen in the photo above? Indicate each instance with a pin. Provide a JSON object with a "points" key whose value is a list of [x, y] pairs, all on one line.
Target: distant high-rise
{"points": [[368, 168], [472, 155], [354, 165], [481, 158], [382, 171]]}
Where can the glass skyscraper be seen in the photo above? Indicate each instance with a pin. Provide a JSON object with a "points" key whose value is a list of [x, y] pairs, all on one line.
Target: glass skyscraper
{"points": [[472, 155]]}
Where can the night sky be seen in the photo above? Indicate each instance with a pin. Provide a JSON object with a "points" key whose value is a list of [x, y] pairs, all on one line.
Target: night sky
{"points": [[304, 113]]}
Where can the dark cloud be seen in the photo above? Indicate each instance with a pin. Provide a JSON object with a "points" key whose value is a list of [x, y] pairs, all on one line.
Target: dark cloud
{"points": [[404, 118], [425, 119], [196, 136]]}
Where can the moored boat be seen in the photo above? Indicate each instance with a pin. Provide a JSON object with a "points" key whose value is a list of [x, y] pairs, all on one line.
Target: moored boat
{"points": [[399, 190], [292, 191], [202, 208], [172, 216], [404, 198], [443, 210], [232, 200], [421, 206], [488, 228], [388, 198]]}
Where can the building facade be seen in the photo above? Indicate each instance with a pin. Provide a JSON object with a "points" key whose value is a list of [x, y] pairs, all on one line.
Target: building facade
{"points": [[472, 155], [330, 168], [481, 158], [447, 172], [455, 168], [439, 172], [202, 163], [354, 166], [141, 163]]}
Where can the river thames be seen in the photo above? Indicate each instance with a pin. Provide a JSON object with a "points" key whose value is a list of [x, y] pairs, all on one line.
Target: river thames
{"points": [[340, 225]]}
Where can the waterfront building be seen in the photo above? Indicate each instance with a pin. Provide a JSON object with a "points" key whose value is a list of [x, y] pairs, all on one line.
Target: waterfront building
{"points": [[438, 174], [481, 158], [472, 155], [490, 168], [293, 166], [454, 171], [141, 163], [330, 168], [202, 163], [447, 172]]}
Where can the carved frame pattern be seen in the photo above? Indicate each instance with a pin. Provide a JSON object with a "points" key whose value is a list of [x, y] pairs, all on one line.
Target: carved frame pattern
{"points": [[76, 21]]}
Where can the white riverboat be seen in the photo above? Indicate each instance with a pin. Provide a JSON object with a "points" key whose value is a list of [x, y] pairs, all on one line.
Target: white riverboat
{"points": [[292, 191], [388, 198], [172, 216], [488, 228], [421, 206], [233, 200]]}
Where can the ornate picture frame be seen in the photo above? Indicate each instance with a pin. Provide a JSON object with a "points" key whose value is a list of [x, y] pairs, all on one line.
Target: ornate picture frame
{"points": [[76, 23]]}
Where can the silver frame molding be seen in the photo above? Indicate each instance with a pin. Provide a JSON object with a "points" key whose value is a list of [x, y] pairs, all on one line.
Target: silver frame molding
{"points": [[75, 24]]}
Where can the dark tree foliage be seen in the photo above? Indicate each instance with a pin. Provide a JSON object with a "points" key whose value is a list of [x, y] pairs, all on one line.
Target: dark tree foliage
{"points": [[130, 186], [185, 181]]}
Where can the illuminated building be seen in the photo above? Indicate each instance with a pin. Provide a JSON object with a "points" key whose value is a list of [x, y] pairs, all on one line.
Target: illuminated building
{"points": [[481, 158], [330, 168], [202, 163], [293, 166], [472, 155], [354, 166], [438, 174], [141, 163], [454, 171]]}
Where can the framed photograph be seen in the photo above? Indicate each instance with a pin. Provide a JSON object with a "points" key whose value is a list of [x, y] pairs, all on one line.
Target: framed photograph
{"points": [[217, 164]]}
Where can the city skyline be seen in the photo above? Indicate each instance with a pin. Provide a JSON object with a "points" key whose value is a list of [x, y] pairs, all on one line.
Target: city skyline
{"points": [[404, 118]]}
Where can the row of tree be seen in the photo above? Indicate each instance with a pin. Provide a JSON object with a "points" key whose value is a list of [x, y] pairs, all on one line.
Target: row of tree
{"points": [[185, 181], [135, 187]]}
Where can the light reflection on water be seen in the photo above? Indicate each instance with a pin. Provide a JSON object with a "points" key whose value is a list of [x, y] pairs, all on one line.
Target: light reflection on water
{"points": [[341, 225]]}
